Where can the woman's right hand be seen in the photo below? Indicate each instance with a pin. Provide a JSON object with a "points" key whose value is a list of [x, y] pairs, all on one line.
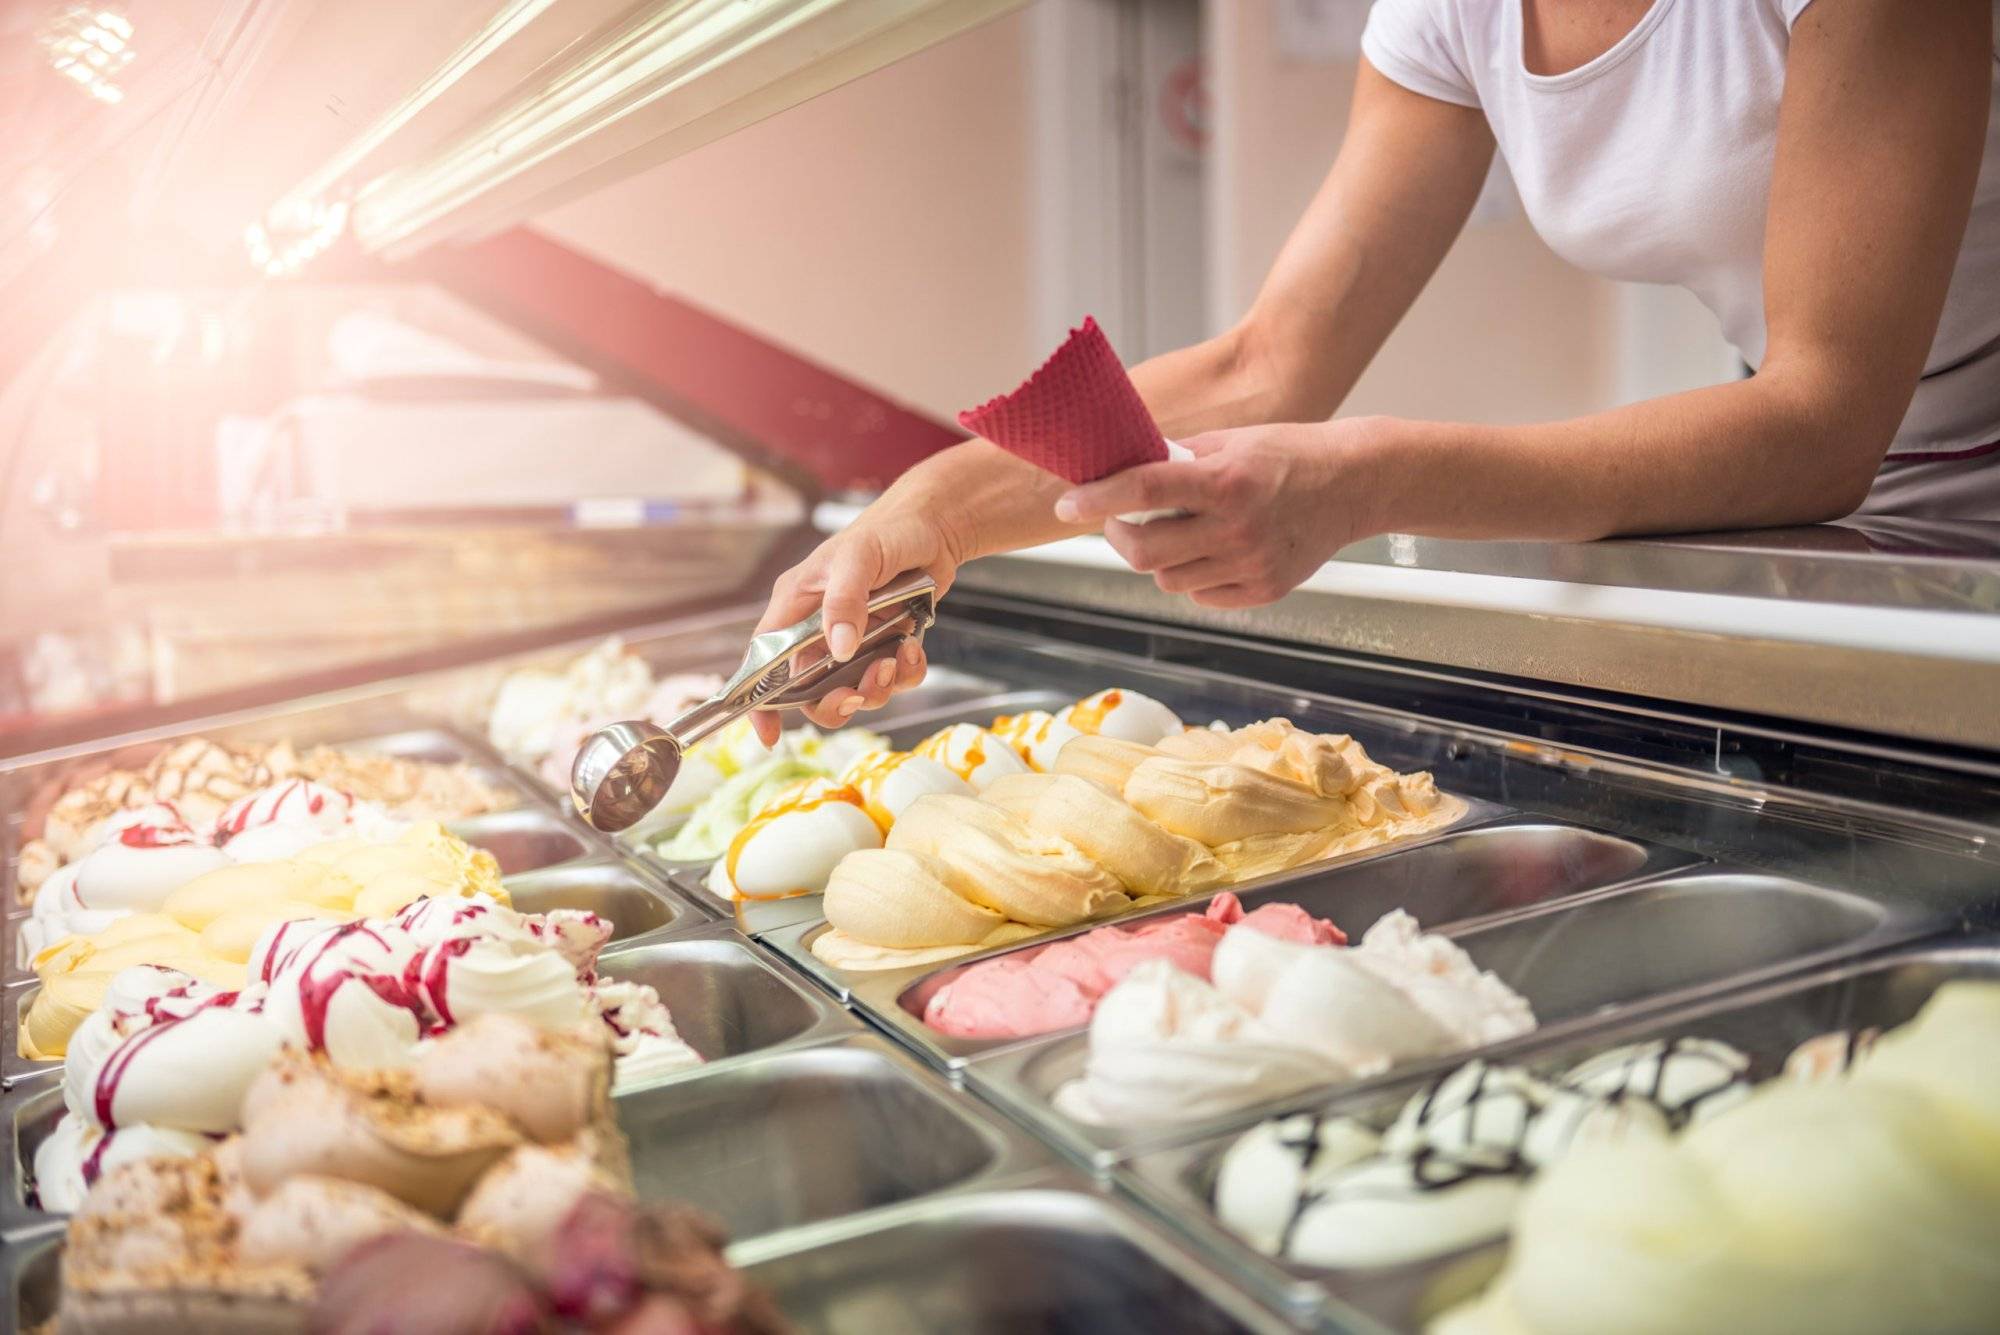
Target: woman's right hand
{"points": [[896, 534]]}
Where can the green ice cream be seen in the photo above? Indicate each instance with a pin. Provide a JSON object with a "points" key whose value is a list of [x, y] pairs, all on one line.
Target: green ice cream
{"points": [[729, 808], [756, 778]]}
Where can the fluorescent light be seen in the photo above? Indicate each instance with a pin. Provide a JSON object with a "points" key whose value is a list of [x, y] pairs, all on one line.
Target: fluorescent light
{"points": [[670, 78], [89, 47], [283, 248]]}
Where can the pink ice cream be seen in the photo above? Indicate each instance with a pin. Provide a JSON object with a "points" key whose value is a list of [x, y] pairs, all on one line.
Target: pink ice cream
{"points": [[1058, 986]]}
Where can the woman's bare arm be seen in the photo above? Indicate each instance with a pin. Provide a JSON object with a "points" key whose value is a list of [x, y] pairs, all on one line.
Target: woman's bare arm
{"points": [[1409, 170], [1879, 145]]}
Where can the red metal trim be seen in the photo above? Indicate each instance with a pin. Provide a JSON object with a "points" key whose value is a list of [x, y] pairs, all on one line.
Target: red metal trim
{"points": [[754, 395]]}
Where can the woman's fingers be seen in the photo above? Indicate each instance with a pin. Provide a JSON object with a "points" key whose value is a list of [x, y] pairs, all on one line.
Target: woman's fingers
{"points": [[882, 681], [911, 666], [1164, 543], [1194, 577], [851, 576], [1175, 485], [795, 593]]}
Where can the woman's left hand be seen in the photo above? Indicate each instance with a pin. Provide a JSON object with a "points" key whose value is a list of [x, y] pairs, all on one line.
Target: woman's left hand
{"points": [[1266, 506]]}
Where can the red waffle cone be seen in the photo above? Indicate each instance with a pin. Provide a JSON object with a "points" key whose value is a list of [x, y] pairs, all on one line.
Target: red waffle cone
{"points": [[1079, 416]]}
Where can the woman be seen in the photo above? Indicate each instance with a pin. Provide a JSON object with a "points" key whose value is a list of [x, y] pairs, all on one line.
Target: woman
{"points": [[1820, 173]]}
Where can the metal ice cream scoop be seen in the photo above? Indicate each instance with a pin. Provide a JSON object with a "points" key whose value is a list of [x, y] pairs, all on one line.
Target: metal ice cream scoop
{"points": [[625, 770]]}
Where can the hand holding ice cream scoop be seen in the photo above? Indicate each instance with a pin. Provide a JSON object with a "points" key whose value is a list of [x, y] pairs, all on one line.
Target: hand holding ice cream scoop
{"points": [[624, 771]]}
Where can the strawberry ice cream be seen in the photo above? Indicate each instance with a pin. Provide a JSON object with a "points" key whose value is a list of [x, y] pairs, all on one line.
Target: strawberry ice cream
{"points": [[1059, 986]]}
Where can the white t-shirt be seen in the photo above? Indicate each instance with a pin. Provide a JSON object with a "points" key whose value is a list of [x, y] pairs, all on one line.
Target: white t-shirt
{"points": [[1652, 164]]}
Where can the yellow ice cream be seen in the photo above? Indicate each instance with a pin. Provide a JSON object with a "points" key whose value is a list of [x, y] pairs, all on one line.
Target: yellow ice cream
{"points": [[1220, 803], [890, 908], [209, 926], [998, 861], [77, 972], [1109, 825], [1146, 859], [1104, 760]]}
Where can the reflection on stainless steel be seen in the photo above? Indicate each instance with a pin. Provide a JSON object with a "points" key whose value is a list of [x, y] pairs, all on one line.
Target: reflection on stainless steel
{"points": [[523, 840], [1891, 686], [32, 1113], [1873, 562], [1680, 934], [14, 1068], [1766, 1025], [33, 1285], [624, 771], [606, 889], [997, 1263], [725, 999], [812, 1134]]}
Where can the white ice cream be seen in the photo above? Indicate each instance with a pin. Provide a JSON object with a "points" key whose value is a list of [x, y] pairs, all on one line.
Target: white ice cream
{"points": [[973, 754], [1279, 1016], [458, 980], [1166, 1046], [791, 849], [889, 781], [1123, 715], [1451, 1170]]}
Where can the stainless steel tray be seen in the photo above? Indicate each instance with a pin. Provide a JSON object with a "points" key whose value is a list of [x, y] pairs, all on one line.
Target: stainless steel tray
{"points": [[1450, 881], [1885, 990], [881, 987], [728, 999], [904, 730], [1704, 932], [1049, 1255], [814, 1133], [636, 907]]}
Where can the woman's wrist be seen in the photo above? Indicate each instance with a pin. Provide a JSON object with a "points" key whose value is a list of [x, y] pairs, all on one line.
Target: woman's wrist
{"points": [[942, 493], [1374, 470]]}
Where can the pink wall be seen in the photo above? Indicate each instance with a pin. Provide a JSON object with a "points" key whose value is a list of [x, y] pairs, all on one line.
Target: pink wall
{"points": [[882, 228], [885, 228], [1505, 332]]}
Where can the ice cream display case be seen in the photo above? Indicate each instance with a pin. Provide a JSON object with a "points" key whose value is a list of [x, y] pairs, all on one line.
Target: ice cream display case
{"points": [[1146, 969], [1689, 899]]}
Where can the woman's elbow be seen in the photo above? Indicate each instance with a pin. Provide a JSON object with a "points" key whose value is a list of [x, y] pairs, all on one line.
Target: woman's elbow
{"points": [[1837, 471]]}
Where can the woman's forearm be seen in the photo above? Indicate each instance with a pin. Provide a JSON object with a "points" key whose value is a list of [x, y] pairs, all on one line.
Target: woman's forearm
{"points": [[1740, 455]]}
